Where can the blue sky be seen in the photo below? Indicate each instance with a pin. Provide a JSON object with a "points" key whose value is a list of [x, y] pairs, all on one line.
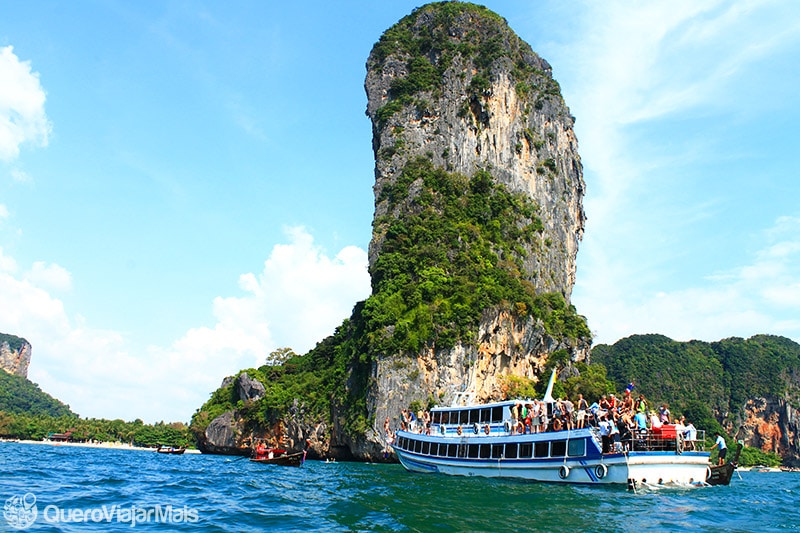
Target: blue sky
{"points": [[187, 186]]}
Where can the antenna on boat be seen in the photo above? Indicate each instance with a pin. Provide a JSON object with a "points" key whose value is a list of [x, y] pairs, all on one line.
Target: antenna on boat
{"points": [[548, 394]]}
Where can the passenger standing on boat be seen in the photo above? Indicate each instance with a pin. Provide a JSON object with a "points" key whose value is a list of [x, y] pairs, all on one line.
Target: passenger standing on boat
{"points": [[514, 417], [569, 412], [604, 405], [583, 405], [536, 414], [690, 435], [529, 418], [722, 447], [614, 437], [625, 426], [627, 402], [641, 421], [641, 404], [663, 414], [605, 433]]}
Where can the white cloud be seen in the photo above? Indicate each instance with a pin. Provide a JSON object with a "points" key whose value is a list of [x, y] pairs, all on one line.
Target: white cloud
{"points": [[299, 298], [3, 212], [22, 115], [50, 276], [640, 65]]}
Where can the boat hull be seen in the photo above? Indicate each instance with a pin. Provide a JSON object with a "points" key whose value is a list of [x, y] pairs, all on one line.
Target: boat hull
{"points": [[637, 468], [291, 459]]}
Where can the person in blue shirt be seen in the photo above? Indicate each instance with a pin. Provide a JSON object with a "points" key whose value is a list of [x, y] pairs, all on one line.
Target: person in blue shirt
{"points": [[722, 447]]}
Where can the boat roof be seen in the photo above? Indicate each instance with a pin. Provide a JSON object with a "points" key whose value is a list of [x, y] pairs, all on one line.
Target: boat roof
{"points": [[489, 405]]}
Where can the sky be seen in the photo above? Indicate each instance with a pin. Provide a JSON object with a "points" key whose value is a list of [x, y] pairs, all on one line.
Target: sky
{"points": [[186, 187]]}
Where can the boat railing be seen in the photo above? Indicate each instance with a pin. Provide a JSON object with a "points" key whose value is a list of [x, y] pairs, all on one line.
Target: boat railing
{"points": [[653, 440]]}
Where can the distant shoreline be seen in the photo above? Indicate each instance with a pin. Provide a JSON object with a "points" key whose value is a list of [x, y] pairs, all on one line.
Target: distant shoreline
{"points": [[100, 445]]}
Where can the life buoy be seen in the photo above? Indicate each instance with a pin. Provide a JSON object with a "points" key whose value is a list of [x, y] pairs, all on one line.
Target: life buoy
{"points": [[458, 430], [563, 472], [600, 471], [507, 425], [556, 424], [476, 428], [486, 429]]}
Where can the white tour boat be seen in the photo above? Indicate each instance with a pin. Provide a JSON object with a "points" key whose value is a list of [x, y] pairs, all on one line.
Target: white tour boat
{"points": [[481, 440]]}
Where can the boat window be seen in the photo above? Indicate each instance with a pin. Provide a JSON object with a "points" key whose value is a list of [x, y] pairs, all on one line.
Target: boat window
{"points": [[497, 414], [511, 451], [473, 451], [463, 417], [452, 450], [474, 416], [486, 415], [486, 450], [417, 446], [525, 450], [558, 448], [401, 443], [541, 449], [497, 451], [426, 448], [436, 417], [577, 447]]}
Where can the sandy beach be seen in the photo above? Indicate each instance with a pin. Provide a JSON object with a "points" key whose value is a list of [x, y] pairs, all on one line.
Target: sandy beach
{"points": [[103, 445]]}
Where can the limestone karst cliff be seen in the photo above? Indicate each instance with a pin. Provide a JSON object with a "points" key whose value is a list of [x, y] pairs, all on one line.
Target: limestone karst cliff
{"points": [[478, 215], [15, 355], [453, 83]]}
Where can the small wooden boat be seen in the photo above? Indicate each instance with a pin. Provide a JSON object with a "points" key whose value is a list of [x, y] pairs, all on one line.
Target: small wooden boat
{"points": [[170, 450], [278, 456]]}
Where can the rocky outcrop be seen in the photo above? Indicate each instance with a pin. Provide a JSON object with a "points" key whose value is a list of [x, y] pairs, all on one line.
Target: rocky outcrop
{"points": [[247, 388], [224, 436], [772, 425], [15, 355], [453, 83]]}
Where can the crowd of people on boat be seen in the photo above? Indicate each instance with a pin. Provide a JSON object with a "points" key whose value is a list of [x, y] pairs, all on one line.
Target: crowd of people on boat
{"points": [[619, 420]]}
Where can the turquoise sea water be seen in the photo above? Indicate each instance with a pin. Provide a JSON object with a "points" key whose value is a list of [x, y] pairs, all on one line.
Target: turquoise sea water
{"points": [[83, 489]]}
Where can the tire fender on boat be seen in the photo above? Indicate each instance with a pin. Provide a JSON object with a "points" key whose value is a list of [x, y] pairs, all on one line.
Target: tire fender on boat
{"points": [[476, 428], [563, 472], [442, 429], [600, 471], [507, 425], [708, 473]]}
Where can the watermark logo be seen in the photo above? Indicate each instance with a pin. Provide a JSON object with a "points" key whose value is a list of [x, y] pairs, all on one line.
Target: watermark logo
{"points": [[20, 511]]}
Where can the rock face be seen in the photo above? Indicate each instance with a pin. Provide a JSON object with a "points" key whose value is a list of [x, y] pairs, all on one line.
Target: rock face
{"points": [[247, 388], [452, 82], [772, 425], [15, 355]]}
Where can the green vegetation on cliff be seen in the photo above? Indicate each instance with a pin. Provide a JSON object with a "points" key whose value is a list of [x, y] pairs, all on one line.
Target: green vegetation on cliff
{"points": [[455, 252], [431, 48], [20, 396], [14, 343]]}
